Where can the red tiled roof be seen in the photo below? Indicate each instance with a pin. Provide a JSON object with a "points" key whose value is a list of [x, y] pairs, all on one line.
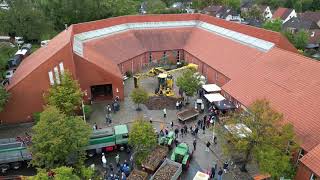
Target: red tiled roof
{"points": [[224, 55], [282, 13], [312, 160], [291, 83], [39, 57]]}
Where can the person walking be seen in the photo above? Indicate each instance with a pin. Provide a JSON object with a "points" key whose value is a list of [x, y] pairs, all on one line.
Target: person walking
{"points": [[176, 132], [196, 131], [177, 105], [215, 140], [94, 127], [104, 161], [185, 129], [220, 172], [213, 171], [225, 167], [203, 129], [194, 144], [207, 146], [131, 161], [117, 160], [171, 124], [164, 112], [181, 130]]}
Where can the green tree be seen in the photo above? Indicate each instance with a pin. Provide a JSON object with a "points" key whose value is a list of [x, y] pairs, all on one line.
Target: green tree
{"points": [[273, 25], [301, 39], [66, 96], [58, 139], [4, 97], [63, 173], [24, 19], [122, 7], [142, 138], [234, 4], [139, 96], [254, 12], [189, 82], [270, 143], [155, 6], [5, 53]]}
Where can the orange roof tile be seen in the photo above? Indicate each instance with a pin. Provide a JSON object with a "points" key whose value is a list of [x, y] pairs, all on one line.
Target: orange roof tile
{"points": [[35, 60], [281, 13], [291, 83], [312, 160]]}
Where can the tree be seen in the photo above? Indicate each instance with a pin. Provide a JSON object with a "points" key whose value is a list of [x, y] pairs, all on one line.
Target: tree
{"points": [[58, 139], [142, 138], [5, 53], [254, 12], [270, 143], [66, 96], [273, 25], [139, 96], [301, 39], [189, 82], [234, 4], [4, 96], [24, 19], [122, 7], [155, 6], [63, 173]]}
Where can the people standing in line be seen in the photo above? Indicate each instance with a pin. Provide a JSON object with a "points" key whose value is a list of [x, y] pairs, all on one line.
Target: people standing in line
{"points": [[220, 172], [207, 146], [164, 112], [104, 161], [225, 166], [194, 143], [117, 160]]}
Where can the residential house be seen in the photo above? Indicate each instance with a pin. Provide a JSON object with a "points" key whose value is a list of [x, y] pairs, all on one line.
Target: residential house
{"points": [[307, 22], [222, 12], [265, 10], [284, 14]]}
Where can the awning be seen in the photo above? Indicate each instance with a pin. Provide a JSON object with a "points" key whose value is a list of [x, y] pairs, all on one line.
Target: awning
{"points": [[214, 97], [240, 130], [211, 88], [224, 105]]}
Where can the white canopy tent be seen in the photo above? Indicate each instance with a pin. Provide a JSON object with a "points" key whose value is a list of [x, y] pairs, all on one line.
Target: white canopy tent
{"points": [[211, 88], [214, 97]]}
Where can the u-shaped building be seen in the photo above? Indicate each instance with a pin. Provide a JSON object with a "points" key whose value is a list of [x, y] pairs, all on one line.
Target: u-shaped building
{"points": [[247, 62]]}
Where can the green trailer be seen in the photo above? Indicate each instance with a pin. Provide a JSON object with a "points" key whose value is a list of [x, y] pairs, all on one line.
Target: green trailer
{"points": [[12, 153], [108, 138]]}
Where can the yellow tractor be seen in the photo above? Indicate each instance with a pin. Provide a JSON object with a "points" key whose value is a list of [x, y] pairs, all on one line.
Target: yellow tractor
{"points": [[165, 85]]}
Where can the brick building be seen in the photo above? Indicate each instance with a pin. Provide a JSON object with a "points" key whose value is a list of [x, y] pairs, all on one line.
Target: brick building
{"points": [[247, 62]]}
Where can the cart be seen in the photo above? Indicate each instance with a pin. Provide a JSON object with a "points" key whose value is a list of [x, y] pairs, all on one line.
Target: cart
{"points": [[187, 114]]}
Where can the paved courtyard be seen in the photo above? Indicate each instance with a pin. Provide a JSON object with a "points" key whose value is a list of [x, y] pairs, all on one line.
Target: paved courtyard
{"points": [[202, 161]]}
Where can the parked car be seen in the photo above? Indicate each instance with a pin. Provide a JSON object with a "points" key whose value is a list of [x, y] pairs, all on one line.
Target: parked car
{"points": [[44, 43], [15, 61], [27, 47], [9, 73], [19, 40]]}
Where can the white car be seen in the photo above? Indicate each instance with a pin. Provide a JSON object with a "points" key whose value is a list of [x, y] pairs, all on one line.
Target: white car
{"points": [[9, 74], [44, 43]]}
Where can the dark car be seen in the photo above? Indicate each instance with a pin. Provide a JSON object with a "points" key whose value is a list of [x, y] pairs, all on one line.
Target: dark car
{"points": [[15, 61]]}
